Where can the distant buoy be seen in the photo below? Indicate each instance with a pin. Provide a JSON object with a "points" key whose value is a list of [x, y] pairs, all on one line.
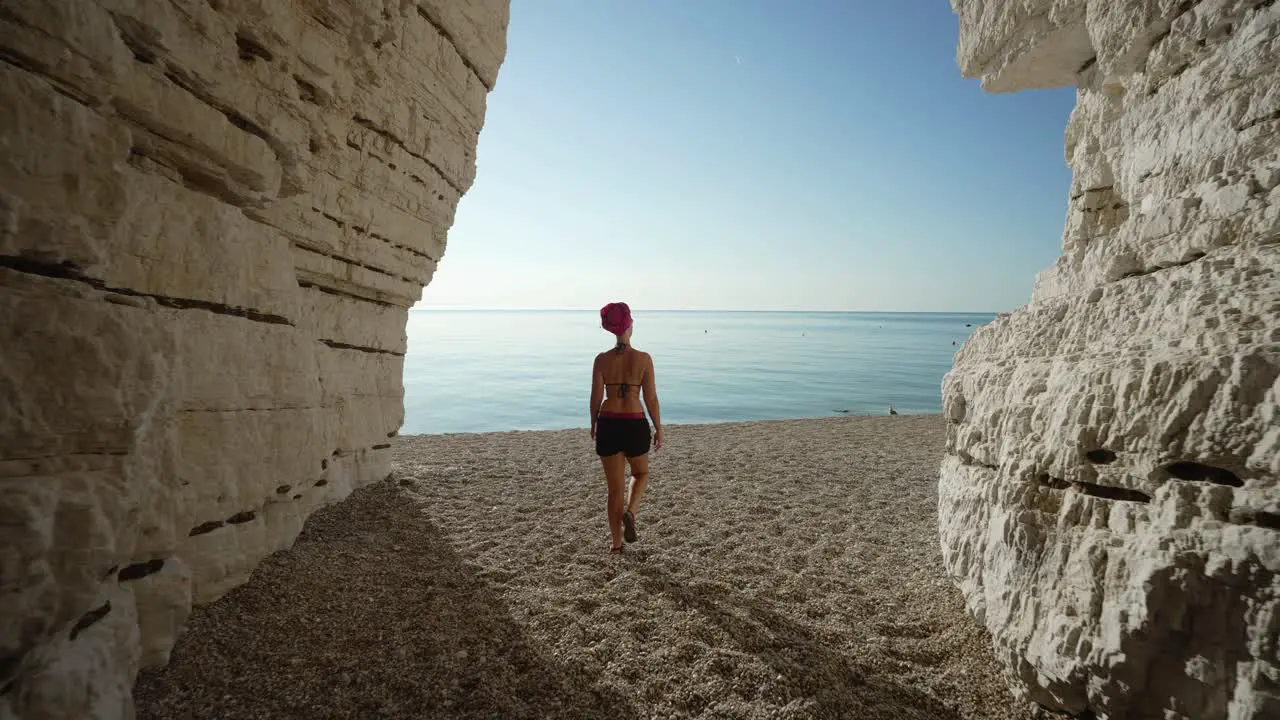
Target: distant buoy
{"points": [[968, 324], [953, 342]]}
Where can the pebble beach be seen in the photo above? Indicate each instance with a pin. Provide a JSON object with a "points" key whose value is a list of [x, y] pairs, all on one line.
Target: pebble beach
{"points": [[784, 569]]}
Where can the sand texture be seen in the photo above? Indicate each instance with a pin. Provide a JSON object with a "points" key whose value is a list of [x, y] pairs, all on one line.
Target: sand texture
{"points": [[783, 570]]}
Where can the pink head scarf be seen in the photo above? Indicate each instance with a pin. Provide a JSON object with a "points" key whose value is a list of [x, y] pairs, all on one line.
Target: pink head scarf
{"points": [[615, 317]]}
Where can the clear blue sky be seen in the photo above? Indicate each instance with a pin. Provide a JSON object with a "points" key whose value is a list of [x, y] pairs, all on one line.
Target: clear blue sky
{"points": [[753, 154]]}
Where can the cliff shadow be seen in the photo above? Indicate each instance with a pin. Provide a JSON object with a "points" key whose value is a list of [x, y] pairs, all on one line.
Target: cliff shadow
{"points": [[371, 614], [838, 684]]}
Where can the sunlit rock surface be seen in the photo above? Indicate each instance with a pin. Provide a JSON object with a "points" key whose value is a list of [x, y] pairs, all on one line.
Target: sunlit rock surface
{"points": [[1110, 498], [214, 216]]}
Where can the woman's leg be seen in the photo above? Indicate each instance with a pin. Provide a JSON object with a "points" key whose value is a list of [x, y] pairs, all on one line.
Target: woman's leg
{"points": [[639, 480], [615, 474]]}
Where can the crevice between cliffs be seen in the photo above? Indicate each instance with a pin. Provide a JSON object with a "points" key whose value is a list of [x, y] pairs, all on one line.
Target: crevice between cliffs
{"points": [[311, 281], [970, 461], [391, 137], [68, 271], [361, 348], [425, 14]]}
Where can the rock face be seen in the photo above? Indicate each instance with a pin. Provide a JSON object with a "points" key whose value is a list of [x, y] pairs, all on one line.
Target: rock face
{"points": [[214, 216], [1110, 498]]}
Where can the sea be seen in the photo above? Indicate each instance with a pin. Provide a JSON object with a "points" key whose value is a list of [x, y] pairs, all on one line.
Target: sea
{"points": [[496, 370]]}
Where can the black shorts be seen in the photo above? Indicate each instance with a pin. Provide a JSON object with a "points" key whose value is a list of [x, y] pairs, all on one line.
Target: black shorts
{"points": [[622, 435]]}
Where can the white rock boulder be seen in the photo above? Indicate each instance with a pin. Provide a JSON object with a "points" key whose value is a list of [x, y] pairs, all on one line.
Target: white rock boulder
{"points": [[1110, 498], [214, 217]]}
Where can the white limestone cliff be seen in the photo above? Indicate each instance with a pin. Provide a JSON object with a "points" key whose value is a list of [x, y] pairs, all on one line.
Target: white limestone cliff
{"points": [[1110, 498], [214, 216]]}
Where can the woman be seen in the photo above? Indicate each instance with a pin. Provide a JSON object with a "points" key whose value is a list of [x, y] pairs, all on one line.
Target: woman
{"points": [[619, 378]]}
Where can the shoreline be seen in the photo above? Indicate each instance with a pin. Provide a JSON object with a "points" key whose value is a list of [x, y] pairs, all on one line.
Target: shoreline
{"points": [[713, 423], [785, 569]]}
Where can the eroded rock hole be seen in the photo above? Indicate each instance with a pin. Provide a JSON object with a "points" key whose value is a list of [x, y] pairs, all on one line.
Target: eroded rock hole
{"points": [[383, 446], [1267, 520], [182, 80], [241, 517], [1101, 456], [140, 570], [326, 21], [1198, 472], [141, 52], [1108, 492], [246, 125], [251, 49], [18, 61], [1269, 117], [1053, 482], [306, 91], [341, 226], [88, 619], [283, 489], [206, 527], [321, 482]]}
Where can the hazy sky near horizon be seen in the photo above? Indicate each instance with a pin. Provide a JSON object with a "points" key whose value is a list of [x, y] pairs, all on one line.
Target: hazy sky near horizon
{"points": [[753, 154]]}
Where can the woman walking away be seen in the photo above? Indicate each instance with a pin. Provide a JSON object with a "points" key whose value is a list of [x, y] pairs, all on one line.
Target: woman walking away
{"points": [[619, 378]]}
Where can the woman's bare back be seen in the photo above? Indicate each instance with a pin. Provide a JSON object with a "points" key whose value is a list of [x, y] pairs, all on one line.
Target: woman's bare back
{"points": [[623, 375]]}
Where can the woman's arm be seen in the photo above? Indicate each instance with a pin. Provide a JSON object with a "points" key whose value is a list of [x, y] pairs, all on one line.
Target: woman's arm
{"points": [[597, 393], [650, 390]]}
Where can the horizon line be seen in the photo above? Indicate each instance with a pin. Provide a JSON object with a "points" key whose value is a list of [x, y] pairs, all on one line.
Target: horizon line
{"points": [[419, 306]]}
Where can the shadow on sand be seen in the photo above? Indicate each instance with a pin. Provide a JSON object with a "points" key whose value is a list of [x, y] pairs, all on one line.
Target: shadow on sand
{"points": [[370, 615], [837, 684]]}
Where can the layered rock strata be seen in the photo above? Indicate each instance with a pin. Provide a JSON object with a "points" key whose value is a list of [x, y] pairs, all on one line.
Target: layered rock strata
{"points": [[214, 216], [1110, 497]]}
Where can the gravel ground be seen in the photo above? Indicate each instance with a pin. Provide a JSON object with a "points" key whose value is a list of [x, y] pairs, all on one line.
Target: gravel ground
{"points": [[784, 570]]}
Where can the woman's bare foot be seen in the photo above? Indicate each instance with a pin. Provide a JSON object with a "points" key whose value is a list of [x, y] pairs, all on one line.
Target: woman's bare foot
{"points": [[629, 527]]}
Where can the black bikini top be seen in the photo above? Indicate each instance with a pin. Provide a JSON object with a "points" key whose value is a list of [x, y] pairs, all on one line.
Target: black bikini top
{"points": [[625, 387]]}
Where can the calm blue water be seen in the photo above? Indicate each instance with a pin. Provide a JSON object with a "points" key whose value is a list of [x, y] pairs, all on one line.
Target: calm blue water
{"points": [[486, 370]]}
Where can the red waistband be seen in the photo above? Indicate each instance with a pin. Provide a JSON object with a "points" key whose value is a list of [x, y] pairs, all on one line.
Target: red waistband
{"points": [[621, 415]]}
